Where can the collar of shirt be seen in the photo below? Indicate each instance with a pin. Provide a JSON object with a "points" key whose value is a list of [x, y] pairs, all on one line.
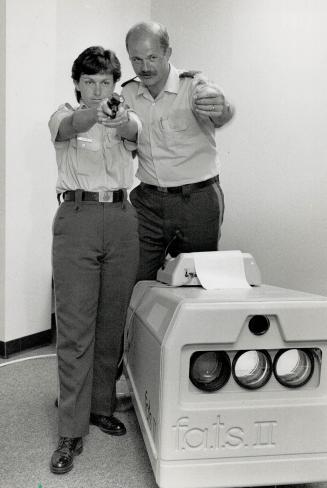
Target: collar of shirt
{"points": [[172, 83]]}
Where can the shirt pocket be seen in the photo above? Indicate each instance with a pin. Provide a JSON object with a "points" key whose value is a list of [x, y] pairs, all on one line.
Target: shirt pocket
{"points": [[170, 124], [175, 129], [88, 154]]}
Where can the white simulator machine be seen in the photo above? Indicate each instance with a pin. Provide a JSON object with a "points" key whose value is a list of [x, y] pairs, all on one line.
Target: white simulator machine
{"points": [[229, 385]]}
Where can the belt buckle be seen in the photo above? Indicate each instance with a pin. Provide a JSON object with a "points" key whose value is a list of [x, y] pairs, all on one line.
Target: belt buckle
{"points": [[106, 196], [163, 189]]}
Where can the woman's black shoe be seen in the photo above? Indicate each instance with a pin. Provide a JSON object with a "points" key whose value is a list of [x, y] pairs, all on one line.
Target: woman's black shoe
{"points": [[110, 425], [63, 456]]}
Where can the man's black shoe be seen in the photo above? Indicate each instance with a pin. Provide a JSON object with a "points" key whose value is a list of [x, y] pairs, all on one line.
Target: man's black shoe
{"points": [[63, 456], [110, 425]]}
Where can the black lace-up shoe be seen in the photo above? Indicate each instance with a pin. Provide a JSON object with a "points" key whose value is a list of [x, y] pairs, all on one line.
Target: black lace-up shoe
{"points": [[110, 425], [63, 456]]}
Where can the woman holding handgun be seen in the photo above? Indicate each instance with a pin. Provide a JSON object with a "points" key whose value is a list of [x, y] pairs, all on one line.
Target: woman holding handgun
{"points": [[95, 249]]}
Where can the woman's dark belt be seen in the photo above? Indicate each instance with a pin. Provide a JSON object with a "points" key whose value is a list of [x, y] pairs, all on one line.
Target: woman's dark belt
{"points": [[94, 196], [180, 189]]}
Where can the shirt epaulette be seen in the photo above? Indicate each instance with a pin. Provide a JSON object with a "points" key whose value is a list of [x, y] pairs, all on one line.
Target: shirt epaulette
{"points": [[188, 74], [128, 81]]}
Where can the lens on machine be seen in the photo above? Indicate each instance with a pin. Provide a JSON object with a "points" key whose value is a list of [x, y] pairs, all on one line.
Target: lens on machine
{"points": [[293, 367], [252, 369], [209, 370], [259, 324]]}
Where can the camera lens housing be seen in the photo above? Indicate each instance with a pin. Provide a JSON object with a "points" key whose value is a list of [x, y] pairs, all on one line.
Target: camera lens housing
{"points": [[293, 367], [259, 324], [209, 370], [252, 369]]}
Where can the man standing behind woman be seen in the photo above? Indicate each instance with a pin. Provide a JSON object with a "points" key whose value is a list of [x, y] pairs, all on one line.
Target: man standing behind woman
{"points": [[179, 201], [95, 250]]}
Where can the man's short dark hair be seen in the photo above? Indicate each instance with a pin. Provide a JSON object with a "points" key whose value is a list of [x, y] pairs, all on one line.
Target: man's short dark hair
{"points": [[94, 60], [153, 28]]}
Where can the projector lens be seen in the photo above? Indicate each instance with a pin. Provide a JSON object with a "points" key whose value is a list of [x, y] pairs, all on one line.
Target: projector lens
{"points": [[252, 369], [209, 370], [259, 324], [293, 367]]}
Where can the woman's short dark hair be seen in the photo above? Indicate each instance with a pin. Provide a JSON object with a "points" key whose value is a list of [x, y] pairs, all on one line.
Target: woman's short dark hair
{"points": [[94, 60]]}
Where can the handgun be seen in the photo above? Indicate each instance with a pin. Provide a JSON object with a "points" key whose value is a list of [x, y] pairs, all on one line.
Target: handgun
{"points": [[113, 104]]}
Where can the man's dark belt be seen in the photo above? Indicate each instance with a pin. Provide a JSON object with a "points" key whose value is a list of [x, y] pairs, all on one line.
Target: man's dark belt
{"points": [[180, 189], [95, 196]]}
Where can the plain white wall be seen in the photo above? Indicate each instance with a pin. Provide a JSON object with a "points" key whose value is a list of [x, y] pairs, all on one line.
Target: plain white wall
{"points": [[270, 57], [84, 23], [30, 49], [41, 39], [2, 159]]}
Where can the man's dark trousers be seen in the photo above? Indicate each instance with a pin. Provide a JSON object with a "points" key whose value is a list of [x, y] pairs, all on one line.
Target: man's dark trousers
{"points": [[185, 220]]}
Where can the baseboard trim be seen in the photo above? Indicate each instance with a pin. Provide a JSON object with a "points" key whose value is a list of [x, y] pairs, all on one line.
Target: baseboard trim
{"points": [[17, 345]]}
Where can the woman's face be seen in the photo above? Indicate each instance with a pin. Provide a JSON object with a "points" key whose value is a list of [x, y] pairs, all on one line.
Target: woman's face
{"points": [[94, 88]]}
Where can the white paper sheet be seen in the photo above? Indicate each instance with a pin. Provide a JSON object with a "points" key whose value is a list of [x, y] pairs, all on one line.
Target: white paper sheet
{"points": [[220, 269]]}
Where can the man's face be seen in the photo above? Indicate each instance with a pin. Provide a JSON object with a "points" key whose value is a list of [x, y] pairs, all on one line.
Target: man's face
{"points": [[94, 88], [149, 61]]}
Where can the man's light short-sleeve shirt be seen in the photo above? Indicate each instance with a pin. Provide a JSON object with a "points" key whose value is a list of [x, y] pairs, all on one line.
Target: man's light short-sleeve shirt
{"points": [[96, 160], [176, 147]]}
